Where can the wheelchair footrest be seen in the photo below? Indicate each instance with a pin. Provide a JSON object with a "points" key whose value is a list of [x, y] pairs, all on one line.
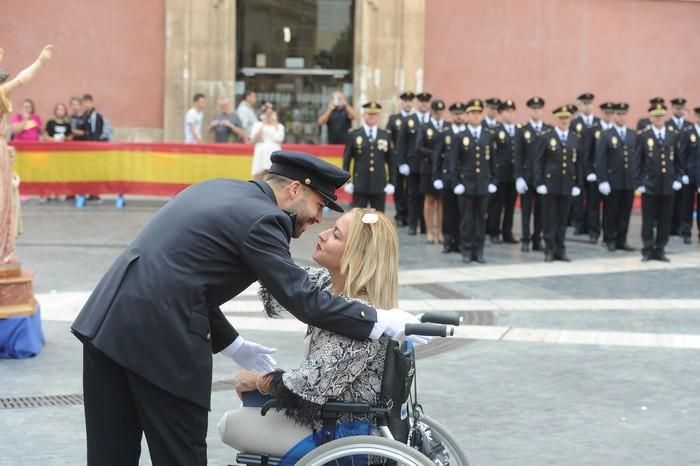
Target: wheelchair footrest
{"points": [[250, 459]]}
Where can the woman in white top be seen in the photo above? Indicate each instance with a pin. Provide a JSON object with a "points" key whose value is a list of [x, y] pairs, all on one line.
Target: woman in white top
{"points": [[267, 134]]}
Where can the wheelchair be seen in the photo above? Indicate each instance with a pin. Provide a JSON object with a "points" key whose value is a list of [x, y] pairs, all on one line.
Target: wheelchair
{"points": [[422, 442]]}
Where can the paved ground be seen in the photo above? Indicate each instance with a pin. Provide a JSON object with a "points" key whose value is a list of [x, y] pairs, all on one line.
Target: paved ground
{"points": [[589, 363]]}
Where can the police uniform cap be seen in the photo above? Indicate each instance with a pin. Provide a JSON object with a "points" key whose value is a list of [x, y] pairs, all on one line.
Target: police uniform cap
{"points": [[656, 100], [657, 109], [437, 105], [622, 107], [586, 97], [310, 171], [607, 107], [407, 95], [424, 96], [493, 102], [372, 107], [506, 105], [678, 101], [697, 110], [475, 105], [457, 107], [535, 102], [563, 112]]}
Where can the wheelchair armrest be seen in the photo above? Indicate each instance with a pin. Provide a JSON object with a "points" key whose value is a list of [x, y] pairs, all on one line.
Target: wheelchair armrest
{"points": [[344, 407]]}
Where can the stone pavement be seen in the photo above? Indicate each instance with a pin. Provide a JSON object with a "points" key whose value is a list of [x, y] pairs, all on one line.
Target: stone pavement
{"points": [[593, 363]]}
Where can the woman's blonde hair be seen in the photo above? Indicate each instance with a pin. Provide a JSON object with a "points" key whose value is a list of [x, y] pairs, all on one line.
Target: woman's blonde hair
{"points": [[370, 261]]}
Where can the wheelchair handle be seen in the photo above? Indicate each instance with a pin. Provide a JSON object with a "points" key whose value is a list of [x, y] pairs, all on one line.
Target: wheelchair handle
{"points": [[446, 318], [429, 330]]}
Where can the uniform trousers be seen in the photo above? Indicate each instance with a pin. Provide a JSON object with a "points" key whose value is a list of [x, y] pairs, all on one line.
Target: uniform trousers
{"points": [[592, 222], [121, 406], [472, 209], [676, 216], [414, 203], [617, 208], [690, 194], [401, 197], [656, 212], [374, 201], [450, 219], [501, 209], [555, 212], [531, 206]]}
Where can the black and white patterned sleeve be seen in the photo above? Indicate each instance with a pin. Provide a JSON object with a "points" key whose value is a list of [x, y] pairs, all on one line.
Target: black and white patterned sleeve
{"points": [[317, 276]]}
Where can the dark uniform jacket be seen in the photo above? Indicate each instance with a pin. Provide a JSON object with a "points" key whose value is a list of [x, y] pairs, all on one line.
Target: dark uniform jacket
{"points": [[473, 163], [393, 127], [616, 160], [672, 124], [406, 145], [659, 163], [690, 153], [446, 152], [557, 164], [429, 137], [504, 155], [589, 144], [526, 150], [156, 310], [371, 169], [642, 124]]}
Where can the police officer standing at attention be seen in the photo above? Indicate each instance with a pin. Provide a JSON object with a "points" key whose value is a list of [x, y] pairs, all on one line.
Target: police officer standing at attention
{"points": [[369, 149], [473, 180], [393, 127], [150, 327], [442, 177], [582, 125], [502, 203], [490, 114], [616, 168], [658, 177], [525, 151], [645, 122], [676, 124], [558, 178], [690, 159]]}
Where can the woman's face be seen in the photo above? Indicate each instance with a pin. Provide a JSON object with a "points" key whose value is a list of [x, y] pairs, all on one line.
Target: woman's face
{"points": [[331, 243], [27, 108], [60, 111], [76, 107]]}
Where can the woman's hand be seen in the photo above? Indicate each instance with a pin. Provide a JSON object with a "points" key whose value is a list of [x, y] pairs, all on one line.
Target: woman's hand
{"points": [[46, 54], [245, 382]]}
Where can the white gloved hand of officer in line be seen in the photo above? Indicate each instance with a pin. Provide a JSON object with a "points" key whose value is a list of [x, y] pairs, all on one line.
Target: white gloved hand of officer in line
{"points": [[591, 177], [575, 191], [685, 179], [542, 189], [389, 188], [604, 188], [676, 185], [438, 184], [642, 189], [492, 188], [521, 185], [349, 188], [393, 322], [404, 169], [459, 189], [251, 356]]}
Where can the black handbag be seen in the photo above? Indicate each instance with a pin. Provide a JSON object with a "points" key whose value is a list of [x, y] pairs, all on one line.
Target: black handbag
{"points": [[399, 370]]}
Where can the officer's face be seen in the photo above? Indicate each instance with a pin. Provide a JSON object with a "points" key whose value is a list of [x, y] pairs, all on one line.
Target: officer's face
{"points": [[371, 119], [586, 107], [331, 244], [491, 112], [536, 114], [620, 118], [679, 111], [507, 116], [406, 105], [563, 123], [475, 118], [608, 116], [308, 206], [458, 118], [657, 120], [423, 107]]}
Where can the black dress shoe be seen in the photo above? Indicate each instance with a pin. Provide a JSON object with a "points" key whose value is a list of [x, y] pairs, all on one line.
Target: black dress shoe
{"points": [[495, 239], [480, 259], [611, 247], [626, 247], [686, 240], [646, 257], [525, 247], [510, 240], [446, 249], [661, 256], [563, 257], [536, 245], [467, 259], [412, 231], [548, 257], [593, 238]]}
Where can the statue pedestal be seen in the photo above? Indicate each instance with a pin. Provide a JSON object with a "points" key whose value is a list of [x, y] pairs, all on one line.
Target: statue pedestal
{"points": [[16, 291], [21, 335]]}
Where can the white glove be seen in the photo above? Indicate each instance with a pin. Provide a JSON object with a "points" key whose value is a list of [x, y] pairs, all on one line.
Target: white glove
{"points": [[459, 189], [521, 185], [685, 179], [438, 184], [404, 169], [676, 185], [575, 191], [591, 177], [389, 188], [250, 355], [492, 188], [349, 188], [642, 189], [604, 188], [393, 322], [542, 189]]}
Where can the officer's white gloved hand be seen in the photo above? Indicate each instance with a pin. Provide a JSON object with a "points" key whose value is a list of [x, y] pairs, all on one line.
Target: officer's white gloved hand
{"points": [[404, 169], [389, 188], [251, 356], [349, 188], [591, 177], [459, 189], [676, 185], [542, 189], [393, 322], [685, 179], [521, 185], [604, 188], [492, 188], [642, 189], [438, 184], [575, 191]]}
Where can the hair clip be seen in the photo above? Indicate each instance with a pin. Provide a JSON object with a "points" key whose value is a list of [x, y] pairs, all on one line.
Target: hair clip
{"points": [[370, 218]]}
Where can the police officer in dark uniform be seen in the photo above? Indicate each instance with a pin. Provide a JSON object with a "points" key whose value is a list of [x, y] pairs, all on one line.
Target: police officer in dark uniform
{"points": [[429, 137], [491, 112], [690, 159], [676, 124], [582, 124], [558, 178], [645, 123], [502, 203], [525, 151], [150, 327], [370, 151], [393, 127], [616, 169], [442, 178], [409, 163], [473, 180], [658, 177]]}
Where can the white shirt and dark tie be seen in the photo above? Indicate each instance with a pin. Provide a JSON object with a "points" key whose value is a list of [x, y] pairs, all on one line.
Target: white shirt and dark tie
{"points": [[622, 132], [537, 126], [563, 135], [510, 129], [587, 120], [678, 121], [475, 132], [458, 128], [371, 132], [437, 124]]}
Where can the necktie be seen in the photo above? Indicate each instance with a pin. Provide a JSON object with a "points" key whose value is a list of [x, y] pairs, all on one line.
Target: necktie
{"points": [[372, 134], [622, 134], [476, 135]]}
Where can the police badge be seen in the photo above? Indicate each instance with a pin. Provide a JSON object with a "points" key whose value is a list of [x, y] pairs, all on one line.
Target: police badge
{"points": [[501, 135], [465, 141], [358, 140], [527, 135], [382, 145], [429, 132], [614, 141]]}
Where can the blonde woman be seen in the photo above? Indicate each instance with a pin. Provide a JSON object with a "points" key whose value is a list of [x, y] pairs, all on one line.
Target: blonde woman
{"points": [[359, 259]]}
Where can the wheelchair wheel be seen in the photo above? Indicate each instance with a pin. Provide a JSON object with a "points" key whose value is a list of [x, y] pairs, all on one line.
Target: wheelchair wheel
{"points": [[457, 455], [379, 447]]}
